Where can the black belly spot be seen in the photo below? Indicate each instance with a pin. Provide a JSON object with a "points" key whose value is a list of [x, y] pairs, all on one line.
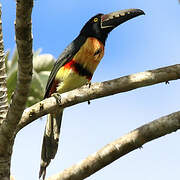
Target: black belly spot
{"points": [[82, 71]]}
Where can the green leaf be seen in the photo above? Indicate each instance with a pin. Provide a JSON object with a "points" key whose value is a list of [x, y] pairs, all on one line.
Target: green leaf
{"points": [[6, 60], [14, 59], [37, 88], [11, 83], [41, 70], [44, 75], [43, 62]]}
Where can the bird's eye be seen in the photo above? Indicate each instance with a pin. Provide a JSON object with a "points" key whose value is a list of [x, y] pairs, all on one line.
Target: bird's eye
{"points": [[95, 19]]}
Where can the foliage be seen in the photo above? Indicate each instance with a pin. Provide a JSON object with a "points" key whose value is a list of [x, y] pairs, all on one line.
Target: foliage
{"points": [[42, 65]]}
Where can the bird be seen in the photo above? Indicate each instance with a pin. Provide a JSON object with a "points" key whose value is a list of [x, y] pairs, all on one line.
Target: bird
{"points": [[75, 68]]}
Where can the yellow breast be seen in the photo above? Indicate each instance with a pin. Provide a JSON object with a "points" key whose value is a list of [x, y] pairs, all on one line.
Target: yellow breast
{"points": [[88, 57]]}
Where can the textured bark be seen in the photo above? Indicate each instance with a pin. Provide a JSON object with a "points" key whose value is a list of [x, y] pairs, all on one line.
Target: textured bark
{"points": [[120, 147], [10, 119], [5, 167], [24, 76], [5, 145], [98, 90], [3, 76]]}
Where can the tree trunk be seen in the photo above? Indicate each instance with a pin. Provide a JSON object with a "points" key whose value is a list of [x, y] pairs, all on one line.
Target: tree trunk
{"points": [[5, 141], [5, 158], [5, 168]]}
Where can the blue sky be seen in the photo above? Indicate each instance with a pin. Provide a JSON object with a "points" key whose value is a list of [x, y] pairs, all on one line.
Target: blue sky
{"points": [[146, 42]]}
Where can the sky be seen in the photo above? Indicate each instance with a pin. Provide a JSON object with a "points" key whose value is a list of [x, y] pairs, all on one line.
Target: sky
{"points": [[143, 43]]}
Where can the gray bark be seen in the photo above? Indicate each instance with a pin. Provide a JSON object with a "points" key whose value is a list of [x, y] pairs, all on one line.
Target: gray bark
{"points": [[5, 147], [10, 117], [98, 90]]}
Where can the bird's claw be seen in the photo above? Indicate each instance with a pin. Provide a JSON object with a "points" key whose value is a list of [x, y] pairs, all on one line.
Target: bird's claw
{"points": [[167, 82], [89, 84], [57, 96]]}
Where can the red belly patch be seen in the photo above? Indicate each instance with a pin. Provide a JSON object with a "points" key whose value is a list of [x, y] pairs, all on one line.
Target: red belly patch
{"points": [[53, 87]]}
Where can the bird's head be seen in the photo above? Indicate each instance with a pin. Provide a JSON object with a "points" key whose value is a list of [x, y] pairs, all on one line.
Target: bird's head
{"points": [[101, 25]]}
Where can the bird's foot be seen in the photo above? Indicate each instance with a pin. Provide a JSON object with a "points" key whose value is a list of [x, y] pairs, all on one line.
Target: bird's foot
{"points": [[57, 96], [89, 84], [167, 82]]}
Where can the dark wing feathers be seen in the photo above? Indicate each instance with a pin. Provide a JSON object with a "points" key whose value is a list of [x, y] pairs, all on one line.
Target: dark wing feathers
{"points": [[64, 58]]}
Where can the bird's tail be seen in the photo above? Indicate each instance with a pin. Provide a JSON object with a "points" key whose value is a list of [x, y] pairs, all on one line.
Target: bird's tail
{"points": [[50, 141]]}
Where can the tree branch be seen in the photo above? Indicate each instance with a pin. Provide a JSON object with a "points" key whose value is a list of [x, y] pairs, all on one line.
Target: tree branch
{"points": [[120, 147], [3, 76], [98, 90], [24, 47]]}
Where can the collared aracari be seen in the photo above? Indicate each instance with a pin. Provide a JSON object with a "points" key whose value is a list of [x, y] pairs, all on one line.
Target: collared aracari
{"points": [[75, 67]]}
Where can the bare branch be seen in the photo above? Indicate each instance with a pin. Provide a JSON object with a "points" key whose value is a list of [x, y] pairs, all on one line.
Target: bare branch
{"points": [[24, 47], [98, 90], [3, 76], [120, 147]]}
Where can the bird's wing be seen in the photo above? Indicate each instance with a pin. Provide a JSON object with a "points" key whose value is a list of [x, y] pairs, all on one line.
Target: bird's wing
{"points": [[64, 58]]}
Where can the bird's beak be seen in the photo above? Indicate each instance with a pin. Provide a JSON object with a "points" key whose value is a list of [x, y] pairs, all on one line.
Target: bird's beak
{"points": [[114, 19]]}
